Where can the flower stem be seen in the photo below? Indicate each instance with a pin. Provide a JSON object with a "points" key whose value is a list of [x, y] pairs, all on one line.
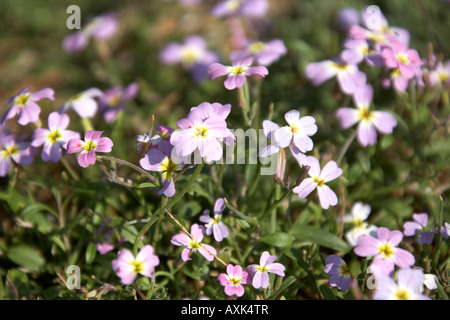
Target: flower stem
{"points": [[70, 169], [87, 124], [345, 147], [243, 101], [128, 164], [169, 205]]}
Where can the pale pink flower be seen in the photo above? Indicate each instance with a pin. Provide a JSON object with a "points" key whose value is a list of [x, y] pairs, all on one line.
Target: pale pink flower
{"points": [[409, 286], [258, 274], [14, 149], [348, 76], [397, 55], [92, 143], [214, 225], [369, 121], [385, 250], [24, 104], [233, 280], [55, 137], [236, 73], [194, 244], [127, 266], [317, 179]]}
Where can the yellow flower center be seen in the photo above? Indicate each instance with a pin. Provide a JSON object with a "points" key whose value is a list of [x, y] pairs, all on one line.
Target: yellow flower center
{"points": [[443, 76], [89, 145], [194, 245], [343, 268], [358, 223], [9, 151], [138, 266], [402, 294], [22, 99], [216, 219], [236, 70], [402, 57], [386, 250], [233, 5], [340, 66], [168, 167], [189, 55], [53, 136], [201, 131], [235, 281], [376, 37], [365, 114], [319, 181], [262, 269], [256, 47], [114, 100], [295, 129]]}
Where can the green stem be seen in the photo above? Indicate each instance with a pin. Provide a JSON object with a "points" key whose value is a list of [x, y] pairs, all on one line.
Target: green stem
{"points": [[128, 164], [69, 169], [87, 124], [244, 103], [345, 147], [169, 205]]}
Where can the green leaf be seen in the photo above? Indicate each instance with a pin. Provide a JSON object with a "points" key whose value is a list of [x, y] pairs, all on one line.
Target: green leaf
{"points": [[278, 239], [91, 251], [321, 237], [20, 281], [27, 257], [146, 185], [286, 283], [327, 292]]}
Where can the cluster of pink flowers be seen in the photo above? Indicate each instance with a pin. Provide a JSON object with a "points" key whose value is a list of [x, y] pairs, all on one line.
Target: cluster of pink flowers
{"points": [[255, 274]]}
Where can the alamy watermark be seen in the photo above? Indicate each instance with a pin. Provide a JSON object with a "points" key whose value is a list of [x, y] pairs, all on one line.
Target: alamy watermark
{"points": [[73, 274], [74, 20]]}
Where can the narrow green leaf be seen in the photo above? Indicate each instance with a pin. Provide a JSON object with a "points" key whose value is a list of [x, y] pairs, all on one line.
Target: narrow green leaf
{"points": [[320, 236], [91, 251], [278, 239], [26, 256]]}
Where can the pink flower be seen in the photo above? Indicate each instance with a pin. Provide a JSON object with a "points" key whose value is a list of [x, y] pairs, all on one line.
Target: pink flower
{"points": [[55, 137], [24, 104], [259, 274], [409, 286], [441, 74], [215, 225], [317, 180], [348, 76], [298, 131], [369, 121], [113, 100], [194, 244], [192, 55], [84, 103], [265, 53], [233, 280], [15, 149], [92, 143], [384, 249], [247, 8], [159, 159], [270, 128], [377, 30], [127, 266], [204, 130], [236, 73], [418, 226], [406, 60], [339, 271], [358, 50], [99, 28]]}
